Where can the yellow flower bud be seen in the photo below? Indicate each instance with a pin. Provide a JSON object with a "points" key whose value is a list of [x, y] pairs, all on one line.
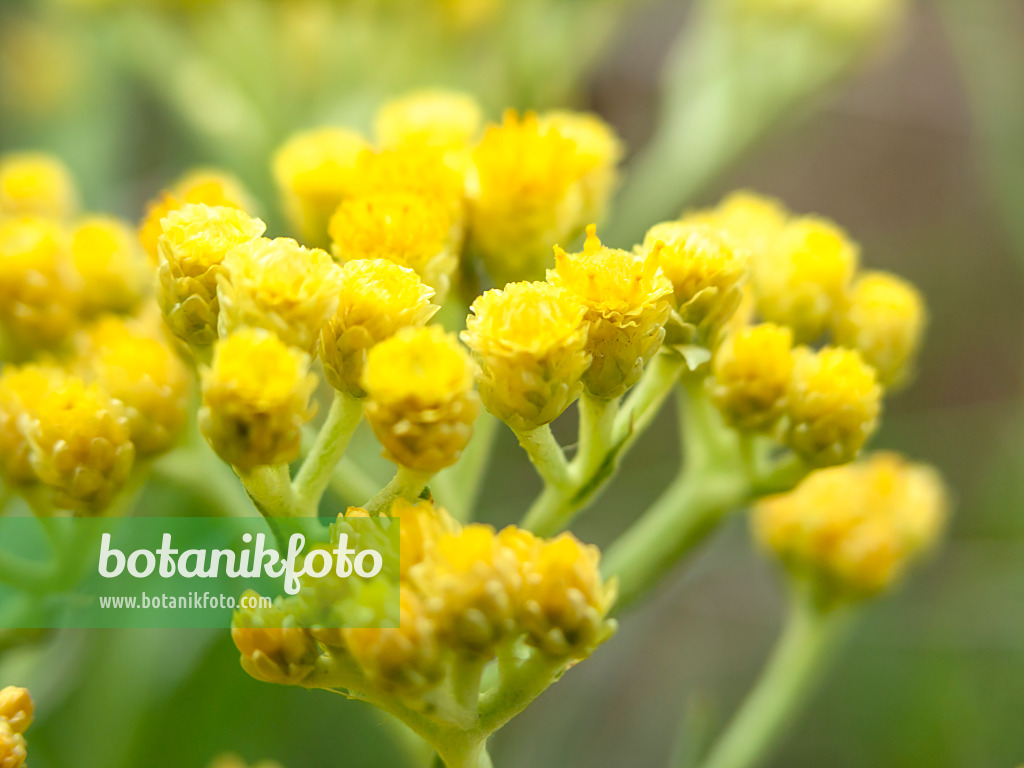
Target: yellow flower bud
{"points": [[418, 170], [195, 240], [107, 256], [884, 319], [750, 221], [16, 708], [410, 229], [833, 405], [80, 440], [627, 300], [40, 291], [139, 368], [377, 298], [448, 120], [565, 601], [271, 650], [280, 286], [313, 172], [854, 529], [530, 342], [421, 400], [21, 390], [36, 184], [12, 747], [422, 525], [256, 398], [751, 370], [802, 278], [525, 194], [406, 658]]}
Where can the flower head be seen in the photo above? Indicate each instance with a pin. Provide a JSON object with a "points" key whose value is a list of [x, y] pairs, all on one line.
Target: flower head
{"points": [[530, 342], [106, 255], [448, 120], [751, 370], [36, 184], [21, 389], [16, 708], [272, 650], [13, 750]]}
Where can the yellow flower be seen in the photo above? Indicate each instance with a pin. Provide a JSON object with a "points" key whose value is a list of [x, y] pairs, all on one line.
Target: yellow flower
{"points": [[854, 529], [195, 240], [313, 172], [422, 525], [530, 342], [12, 747], [377, 298], [750, 221], [410, 229], [421, 400], [883, 318], [36, 184], [280, 286], [106, 255], [256, 398], [40, 291], [80, 440], [21, 390], [833, 405], [751, 375], [627, 301], [139, 368], [448, 120], [565, 600], [525, 195], [16, 708], [271, 650], [802, 278]]}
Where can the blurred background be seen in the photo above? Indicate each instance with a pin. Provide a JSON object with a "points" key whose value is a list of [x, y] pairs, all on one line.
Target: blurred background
{"points": [[914, 142]]}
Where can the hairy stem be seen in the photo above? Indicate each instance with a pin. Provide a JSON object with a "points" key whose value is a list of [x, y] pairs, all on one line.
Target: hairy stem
{"points": [[315, 473]]}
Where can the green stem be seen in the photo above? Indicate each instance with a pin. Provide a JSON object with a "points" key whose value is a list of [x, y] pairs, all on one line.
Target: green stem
{"points": [[795, 665], [645, 401], [546, 455], [596, 433], [270, 488], [315, 473], [407, 484]]}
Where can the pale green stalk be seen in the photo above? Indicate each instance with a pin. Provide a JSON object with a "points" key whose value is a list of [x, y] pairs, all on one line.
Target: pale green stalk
{"points": [[316, 471]]}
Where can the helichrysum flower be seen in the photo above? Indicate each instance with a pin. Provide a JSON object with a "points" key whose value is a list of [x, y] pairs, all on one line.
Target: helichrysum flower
{"points": [[16, 708], [627, 300], [21, 389], [36, 184], [280, 286], [408, 228], [195, 240], [833, 405], [751, 371], [272, 650], [529, 340], [706, 271], [421, 399], [80, 444], [140, 369], [256, 398], [854, 529], [376, 298], [422, 525], [883, 318], [524, 195], [107, 256], [313, 172], [802, 278], [13, 750], [750, 221], [40, 291], [447, 120]]}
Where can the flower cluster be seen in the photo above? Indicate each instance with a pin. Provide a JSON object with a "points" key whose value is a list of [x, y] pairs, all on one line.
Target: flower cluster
{"points": [[16, 711]]}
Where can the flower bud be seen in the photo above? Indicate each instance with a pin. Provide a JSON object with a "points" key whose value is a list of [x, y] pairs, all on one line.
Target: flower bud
{"points": [[256, 398], [376, 299], [21, 390], [884, 319], [36, 184], [446, 120], [12, 747], [750, 221], [833, 405], [421, 400], [271, 650], [530, 342], [751, 375], [422, 525], [16, 708], [627, 300], [107, 256]]}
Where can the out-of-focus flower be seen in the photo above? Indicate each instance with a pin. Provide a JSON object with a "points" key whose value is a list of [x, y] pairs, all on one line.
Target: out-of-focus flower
{"points": [[105, 253], [376, 298], [36, 184], [271, 650], [883, 318], [750, 221], [41, 66], [280, 286], [256, 398], [530, 342], [833, 405], [447, 120], [751, 375], [21, 389], [627, 300], [415, 169], [854, 529], [421, 399], [17, 708], [195, 240]]}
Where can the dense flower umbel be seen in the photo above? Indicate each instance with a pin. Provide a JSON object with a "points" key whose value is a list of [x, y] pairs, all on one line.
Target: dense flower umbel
{"points": [[16, 710], [256, 397], [421, 399], [883, 318], [529, 340], [195, 240], [106, 254], [376, 298], [280, 286], [854, 529], [627, 300], [36, 184], [833, 405], [751, 371]]}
